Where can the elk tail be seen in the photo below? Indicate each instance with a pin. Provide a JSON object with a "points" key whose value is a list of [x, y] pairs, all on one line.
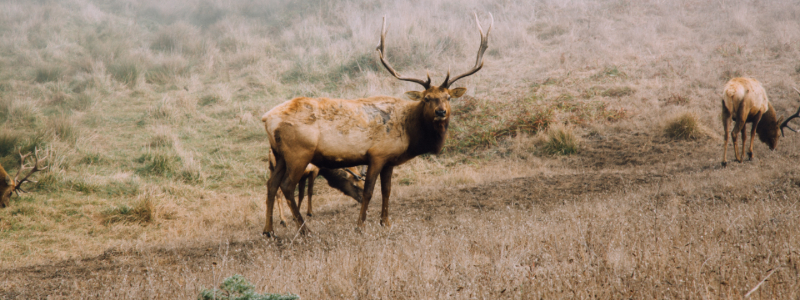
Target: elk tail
{"points": [[338, 179]]}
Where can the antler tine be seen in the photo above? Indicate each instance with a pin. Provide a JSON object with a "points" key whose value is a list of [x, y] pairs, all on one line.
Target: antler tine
{"points": [[795, 115], [21, 165], [35, 169], [479, 61], [381, 49]]}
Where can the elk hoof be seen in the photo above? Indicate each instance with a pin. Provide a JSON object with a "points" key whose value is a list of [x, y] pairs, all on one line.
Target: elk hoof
{"points": [[268, 234], [386, 224], [724, 164], [308, 214], [750, 156], [283, 223]]}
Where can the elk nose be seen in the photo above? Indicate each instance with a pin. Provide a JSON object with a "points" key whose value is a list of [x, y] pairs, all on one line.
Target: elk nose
{"points": [[440, 112]]}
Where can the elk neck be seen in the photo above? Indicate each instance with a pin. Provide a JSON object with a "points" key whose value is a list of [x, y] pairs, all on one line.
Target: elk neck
{"points": [[425, 134], [767, 128]]}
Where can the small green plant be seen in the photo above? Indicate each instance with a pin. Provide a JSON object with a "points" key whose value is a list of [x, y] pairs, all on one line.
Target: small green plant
{"points": [[237, 287], [684, 127], [8, 141], [560, 141]]}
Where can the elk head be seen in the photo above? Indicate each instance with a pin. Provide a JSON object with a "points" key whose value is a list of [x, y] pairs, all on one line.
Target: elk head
{"points": [[436, 99], [9, 185]]}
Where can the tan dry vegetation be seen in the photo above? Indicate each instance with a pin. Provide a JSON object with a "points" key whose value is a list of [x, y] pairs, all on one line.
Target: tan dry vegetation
{"points": [[150, 112]]}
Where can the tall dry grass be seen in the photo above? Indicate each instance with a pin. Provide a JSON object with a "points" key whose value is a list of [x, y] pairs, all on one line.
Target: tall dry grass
{"points": [[161, 100]]}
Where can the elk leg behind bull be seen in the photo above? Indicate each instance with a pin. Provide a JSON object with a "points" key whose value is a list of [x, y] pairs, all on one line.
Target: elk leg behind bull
{"points": [[756, 120], [311, 180]]}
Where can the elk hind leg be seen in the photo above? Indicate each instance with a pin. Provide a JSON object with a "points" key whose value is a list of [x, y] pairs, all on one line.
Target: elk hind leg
{"points": [[726, 125], [294, 172], [273, 183]]}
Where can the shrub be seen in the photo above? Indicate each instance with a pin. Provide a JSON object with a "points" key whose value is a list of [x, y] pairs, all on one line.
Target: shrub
{"points": [[237, 287], [64, 128], [560, 141], [684, 127]]}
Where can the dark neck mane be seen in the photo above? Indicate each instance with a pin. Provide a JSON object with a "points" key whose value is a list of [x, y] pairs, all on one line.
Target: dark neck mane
{"points": [[424, 135], [767, 124]]}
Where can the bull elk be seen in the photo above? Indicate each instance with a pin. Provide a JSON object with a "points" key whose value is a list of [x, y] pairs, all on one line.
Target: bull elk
{"points": [[345, 180], [380, 132], [9, 185], [745, 101]]}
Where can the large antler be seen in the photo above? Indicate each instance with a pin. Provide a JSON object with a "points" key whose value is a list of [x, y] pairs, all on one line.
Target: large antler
{"points": [[479, 60], [36, 161], [795, 115], [381, 50]]}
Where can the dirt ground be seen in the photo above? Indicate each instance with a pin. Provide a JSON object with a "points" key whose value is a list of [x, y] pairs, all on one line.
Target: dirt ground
{"points": [[644, 166]]}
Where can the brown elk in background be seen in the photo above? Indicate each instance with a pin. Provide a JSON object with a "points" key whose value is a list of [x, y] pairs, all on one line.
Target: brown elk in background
{"points": [[381, 132], [10, 185], [745, 101], [345, 180]]}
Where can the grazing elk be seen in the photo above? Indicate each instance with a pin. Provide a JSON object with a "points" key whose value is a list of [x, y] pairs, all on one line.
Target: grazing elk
{"points": [[745, 101], [345, 180], [9, 185], [380, 132]]}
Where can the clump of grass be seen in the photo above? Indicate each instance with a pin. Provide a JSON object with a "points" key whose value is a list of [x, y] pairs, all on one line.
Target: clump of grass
{"points": [[64, 128], [158, 164], [23, 113], [561, 141], [617, 92], [684, 127], [210, 99], [238, 287], [610, 72], [676, 99], [8, 141], [143, 211], [126, 72], [48, 73], [165, 72]]}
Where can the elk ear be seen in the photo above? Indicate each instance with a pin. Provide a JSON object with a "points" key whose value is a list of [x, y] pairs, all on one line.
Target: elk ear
{"points": [[414, 95], [457, 92]]}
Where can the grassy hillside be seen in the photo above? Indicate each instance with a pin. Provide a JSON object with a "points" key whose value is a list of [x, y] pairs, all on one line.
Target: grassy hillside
{"points": [[149, 111]]}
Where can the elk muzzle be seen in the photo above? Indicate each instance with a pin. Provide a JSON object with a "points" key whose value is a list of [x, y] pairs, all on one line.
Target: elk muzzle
{"points": [[441, 113]]}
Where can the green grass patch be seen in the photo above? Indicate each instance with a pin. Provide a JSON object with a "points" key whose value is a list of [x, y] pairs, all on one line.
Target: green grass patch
{"points": [[48, 73], [237, 287], [142, 211], [125, 72], [158, 164]]}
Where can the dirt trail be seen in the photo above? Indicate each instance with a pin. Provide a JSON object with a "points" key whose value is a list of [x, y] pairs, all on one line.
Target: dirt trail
{"points": [[613, 163]]}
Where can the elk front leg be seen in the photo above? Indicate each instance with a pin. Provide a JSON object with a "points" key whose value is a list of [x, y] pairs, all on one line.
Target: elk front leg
{"points": [[273, 184], [369, 185], [386, 191], [753, 134]]}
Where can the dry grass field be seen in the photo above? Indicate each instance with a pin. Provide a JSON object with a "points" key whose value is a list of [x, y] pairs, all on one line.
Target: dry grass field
{"points": [[584, 161]]}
